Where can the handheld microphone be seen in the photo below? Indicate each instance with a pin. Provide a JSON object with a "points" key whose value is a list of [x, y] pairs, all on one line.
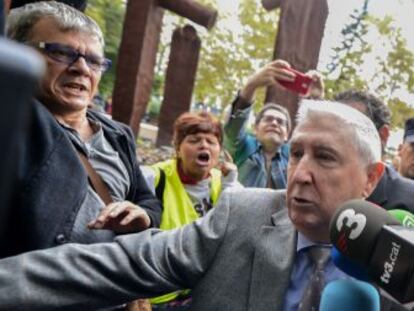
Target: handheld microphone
{"points": [[405, 218], [371, 238], [345, 295], [357, 271]]}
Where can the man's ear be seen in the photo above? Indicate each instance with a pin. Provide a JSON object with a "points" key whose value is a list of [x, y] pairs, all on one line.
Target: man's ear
{"points": [[375, 172], [384, 133]]}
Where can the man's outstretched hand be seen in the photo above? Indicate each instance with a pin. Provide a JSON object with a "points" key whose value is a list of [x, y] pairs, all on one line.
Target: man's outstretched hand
{"points": [[121, 217]]}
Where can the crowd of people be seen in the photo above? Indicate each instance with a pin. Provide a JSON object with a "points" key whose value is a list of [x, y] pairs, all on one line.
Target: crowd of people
{"points": [[228, 223]]}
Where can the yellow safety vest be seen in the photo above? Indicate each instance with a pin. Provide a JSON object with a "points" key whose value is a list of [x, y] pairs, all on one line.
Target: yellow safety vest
{"points": [[178, 209]]}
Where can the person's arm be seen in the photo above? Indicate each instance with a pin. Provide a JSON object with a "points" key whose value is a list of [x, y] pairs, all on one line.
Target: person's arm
{"points": [[268, 75], [235, 127], [88, 277]]}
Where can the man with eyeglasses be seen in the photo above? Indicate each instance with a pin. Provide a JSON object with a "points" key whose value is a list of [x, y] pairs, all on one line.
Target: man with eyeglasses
{"points": [[261, 157], [252, 252], [393, 191], [406, 151], [55, 199]]}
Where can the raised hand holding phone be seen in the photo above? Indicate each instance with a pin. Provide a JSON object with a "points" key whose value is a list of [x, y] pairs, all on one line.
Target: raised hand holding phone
{"points": [[300, 84], [317, 87], [269, 75]]}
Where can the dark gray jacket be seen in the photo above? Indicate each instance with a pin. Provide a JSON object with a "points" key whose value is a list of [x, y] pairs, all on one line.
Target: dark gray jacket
{"points": [[394, 191], [52, 182], [238, 257]]}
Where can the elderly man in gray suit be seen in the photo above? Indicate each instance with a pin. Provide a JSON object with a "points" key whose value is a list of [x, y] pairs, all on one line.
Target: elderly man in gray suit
{"points": [[248, 253]]}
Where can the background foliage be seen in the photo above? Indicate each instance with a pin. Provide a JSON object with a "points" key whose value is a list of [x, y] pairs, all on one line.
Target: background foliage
{"points": [[233, 50], [109, 14]]}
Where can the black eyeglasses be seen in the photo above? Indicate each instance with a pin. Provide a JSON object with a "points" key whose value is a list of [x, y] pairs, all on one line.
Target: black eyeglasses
{"points": [[270, 119], [68, 55]]}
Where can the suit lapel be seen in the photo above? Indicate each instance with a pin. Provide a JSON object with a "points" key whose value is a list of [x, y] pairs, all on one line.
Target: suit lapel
{"points": [[272, 263]]}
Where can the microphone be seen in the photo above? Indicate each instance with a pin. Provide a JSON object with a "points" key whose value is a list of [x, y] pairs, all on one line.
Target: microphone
{"points": [[345, 295], [357, 271], [404, 217], [369, 237]]}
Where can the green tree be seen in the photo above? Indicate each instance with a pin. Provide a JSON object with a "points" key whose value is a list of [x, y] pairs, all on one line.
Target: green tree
{"points": [[349, 55], [392, 73], [109, 14], [230, 52], [401, 111], [395, 71]]}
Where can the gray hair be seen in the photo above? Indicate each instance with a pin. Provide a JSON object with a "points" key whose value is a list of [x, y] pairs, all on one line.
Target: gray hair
{"points": [[21, 20], [366, 138]]}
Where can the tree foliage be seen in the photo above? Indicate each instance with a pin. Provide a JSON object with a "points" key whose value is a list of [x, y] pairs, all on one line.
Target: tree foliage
{"points": [[395, 71], [236, 47], [109, 15], [349, 55], [230, 52], [390, 61]]}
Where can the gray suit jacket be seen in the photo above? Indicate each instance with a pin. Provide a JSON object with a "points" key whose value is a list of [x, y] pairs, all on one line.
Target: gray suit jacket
{"points": [[238, 257]]}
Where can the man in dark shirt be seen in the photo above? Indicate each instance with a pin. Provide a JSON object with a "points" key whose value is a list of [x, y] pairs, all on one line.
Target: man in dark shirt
{"points": [[406, 151], [393, 191], [53, 201]]}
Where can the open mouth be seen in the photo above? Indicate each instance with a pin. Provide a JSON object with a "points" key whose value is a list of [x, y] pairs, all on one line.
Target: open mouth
{"points": [[76, 87], [203, 158]]}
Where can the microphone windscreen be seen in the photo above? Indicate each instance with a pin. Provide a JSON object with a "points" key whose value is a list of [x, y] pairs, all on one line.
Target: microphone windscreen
{"points": [[349, 295], [355, 226], [404, 217]]}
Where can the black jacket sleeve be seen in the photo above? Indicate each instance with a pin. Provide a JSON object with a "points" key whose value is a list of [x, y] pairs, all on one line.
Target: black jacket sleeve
{"points": [[140, 194]]}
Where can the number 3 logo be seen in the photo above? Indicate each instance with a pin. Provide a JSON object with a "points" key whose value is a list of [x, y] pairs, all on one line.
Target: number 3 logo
{"points": [[356, 222]]}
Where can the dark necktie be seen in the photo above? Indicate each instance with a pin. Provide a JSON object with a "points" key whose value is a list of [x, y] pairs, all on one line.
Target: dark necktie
{"points": [[319, 256]]}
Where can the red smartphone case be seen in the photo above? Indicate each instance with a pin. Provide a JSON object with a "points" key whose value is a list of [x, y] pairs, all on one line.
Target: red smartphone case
{"points": [[301, 83]]}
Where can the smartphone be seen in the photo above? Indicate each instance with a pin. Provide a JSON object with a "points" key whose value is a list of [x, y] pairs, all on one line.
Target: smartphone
{"points": [[301, 83]]}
